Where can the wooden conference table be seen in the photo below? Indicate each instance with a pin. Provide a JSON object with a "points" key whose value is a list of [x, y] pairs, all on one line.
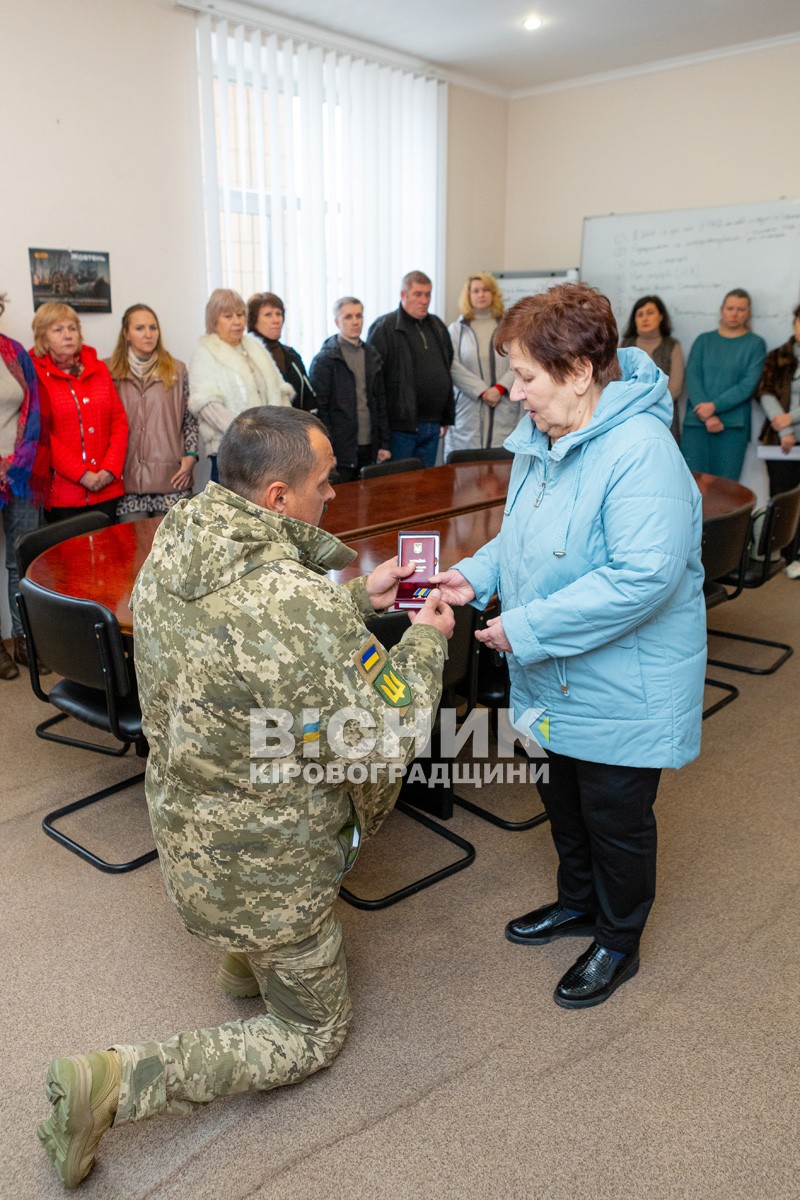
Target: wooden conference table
{"points": [[464, 500]]}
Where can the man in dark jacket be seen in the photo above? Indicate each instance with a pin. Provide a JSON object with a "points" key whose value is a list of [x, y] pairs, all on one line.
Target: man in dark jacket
{"points": [[417, 352], [347, 380]]}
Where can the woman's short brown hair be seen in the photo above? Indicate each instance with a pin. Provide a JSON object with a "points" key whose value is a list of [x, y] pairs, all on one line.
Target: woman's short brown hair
{"points": [[46, 316], [261, 300], [556, 328]]}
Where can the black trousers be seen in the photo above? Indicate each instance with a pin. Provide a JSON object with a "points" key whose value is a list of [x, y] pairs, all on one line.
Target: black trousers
{"points": [[604, 829]]}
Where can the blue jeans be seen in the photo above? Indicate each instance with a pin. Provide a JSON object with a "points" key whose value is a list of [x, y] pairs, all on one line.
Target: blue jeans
{"points": [[422, 443], [18, 517]]}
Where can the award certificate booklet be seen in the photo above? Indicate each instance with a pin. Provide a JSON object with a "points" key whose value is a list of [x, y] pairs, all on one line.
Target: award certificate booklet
{"points": [[421, 549]]}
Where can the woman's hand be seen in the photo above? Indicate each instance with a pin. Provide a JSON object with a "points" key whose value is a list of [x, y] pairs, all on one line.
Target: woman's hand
{"points": [[455, 589], [705, 410], [381, 584], [787, 442], [781, 421], [182, 479], [384, 455], [714, 425], [494, 636], [491, 397]]}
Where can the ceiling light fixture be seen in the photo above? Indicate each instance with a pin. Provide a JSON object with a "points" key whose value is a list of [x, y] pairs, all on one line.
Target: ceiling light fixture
{"points": [[531, 23]]}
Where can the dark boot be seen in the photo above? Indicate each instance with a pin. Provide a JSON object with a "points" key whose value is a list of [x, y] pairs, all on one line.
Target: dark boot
{"points": [[21, 655], [8, 668]]}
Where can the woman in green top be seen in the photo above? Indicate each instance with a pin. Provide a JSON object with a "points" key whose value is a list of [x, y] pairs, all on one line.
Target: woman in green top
{"points": [[722, 373]]}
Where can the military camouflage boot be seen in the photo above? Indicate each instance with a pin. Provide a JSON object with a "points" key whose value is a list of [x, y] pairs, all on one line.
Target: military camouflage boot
{"points": [[84, 1091], [235, 977]]}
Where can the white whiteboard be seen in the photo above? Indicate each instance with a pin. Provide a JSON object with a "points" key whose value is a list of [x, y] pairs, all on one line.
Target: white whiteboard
{"points": [[516, 284], [691, 257]]}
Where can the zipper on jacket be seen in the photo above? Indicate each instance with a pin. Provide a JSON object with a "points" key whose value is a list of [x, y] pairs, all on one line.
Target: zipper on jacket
{"points": [[80, 421], [542, 486]]}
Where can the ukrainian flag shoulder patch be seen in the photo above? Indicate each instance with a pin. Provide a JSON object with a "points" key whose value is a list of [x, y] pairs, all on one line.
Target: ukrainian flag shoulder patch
{"points": [[369, 659]]}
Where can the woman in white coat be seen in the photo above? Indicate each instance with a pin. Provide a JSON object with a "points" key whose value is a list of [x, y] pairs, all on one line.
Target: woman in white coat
{"points": [[230, 371], [481, 379]]}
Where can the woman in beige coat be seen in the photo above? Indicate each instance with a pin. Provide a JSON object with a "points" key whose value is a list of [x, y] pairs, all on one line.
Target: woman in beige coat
{"points": [[162, 444]]}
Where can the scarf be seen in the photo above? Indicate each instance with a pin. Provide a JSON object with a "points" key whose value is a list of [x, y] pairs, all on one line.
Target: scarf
{"points": [[26, 474], [142, 368]]}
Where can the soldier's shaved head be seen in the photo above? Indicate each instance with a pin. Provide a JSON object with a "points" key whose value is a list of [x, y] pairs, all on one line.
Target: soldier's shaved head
{"points": [[263, 445]]}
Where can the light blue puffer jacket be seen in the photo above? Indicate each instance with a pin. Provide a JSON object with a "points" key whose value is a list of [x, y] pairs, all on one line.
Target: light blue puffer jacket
{"points": [[597, 566]]}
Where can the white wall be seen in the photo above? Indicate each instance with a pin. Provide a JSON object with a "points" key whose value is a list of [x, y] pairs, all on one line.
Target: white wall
{"points": [[100, 153], [476, 186], [719, 132]]}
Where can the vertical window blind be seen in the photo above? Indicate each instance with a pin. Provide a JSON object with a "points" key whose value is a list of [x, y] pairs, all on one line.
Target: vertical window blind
{"points": [[323, 174]]}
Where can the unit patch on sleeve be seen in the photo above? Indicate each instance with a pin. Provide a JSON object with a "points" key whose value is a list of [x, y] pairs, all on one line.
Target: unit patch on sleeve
{"points": [[392, 688]]}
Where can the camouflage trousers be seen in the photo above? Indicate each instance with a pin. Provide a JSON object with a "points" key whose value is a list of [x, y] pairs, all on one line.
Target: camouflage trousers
{"points": [[304, 988]]}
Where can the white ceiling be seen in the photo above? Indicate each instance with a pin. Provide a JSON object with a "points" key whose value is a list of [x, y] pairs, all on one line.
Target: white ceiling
{"points": [[482, 42]]}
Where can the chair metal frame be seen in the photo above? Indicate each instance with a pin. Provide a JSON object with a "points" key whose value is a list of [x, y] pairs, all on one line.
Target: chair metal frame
{"points": [[781, 518], [29, 547], [111, 665], [726, 540], [389, 628]]}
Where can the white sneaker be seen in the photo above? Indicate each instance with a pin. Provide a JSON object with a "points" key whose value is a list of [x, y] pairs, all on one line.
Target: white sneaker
{"points": [[793, 569]]}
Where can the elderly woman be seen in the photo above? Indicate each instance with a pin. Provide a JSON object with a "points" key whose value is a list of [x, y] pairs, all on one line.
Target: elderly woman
{"points": [[154, 390], [597, 566], [265, 317], [88, 426], [650, 328], [779, 393], [722, 374], [230, 371], [481, 379], [24, 473]]}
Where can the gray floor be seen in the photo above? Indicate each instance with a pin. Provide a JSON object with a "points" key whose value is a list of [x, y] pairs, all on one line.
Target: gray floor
{"points": [[461, 1078]]}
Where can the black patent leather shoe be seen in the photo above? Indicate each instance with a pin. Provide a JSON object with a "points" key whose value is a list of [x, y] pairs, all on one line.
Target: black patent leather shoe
{"points": [[593, 978], [545, 924]]}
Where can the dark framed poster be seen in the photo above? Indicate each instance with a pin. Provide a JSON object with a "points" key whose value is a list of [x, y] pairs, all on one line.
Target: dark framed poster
{"points": [[80, 278]]}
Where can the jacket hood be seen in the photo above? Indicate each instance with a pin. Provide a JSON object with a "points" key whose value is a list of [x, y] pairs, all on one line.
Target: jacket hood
{"points": [[217, 538], [643, 388]]}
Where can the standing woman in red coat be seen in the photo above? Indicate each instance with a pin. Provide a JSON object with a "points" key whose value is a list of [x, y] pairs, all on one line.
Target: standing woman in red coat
{"points": [[88, 426]]}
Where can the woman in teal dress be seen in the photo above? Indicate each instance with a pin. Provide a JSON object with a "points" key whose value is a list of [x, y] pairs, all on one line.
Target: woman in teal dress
{"points": [[722, 374]]}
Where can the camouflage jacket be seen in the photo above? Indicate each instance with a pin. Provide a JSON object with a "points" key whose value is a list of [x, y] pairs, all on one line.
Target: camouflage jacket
{"points": [[232, 614]]}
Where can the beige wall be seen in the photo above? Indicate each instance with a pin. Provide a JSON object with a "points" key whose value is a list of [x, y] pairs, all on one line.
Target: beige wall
{"points": [[720, 132], [100, 153], [476, 184]]}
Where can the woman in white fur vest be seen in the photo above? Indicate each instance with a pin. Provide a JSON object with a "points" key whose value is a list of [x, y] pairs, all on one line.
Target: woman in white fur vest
{"points": [[230, 371]]}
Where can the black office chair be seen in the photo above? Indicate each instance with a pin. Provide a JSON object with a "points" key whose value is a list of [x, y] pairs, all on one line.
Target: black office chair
{"points": [[778, 529], [82, 641], [726, 539], [29, 547], [392, 466], [417, 801], [490, 688], [496, 453], [32, 544]]}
